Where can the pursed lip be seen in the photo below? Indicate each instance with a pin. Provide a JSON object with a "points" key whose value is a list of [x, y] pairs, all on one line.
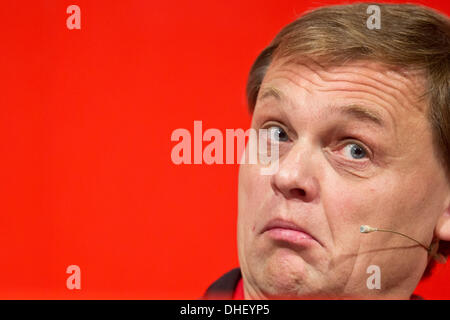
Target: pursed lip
{"points": [[288, 225]]}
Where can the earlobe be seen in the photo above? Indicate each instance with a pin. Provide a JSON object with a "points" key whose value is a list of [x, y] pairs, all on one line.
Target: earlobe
{"points": [[442, 230]]}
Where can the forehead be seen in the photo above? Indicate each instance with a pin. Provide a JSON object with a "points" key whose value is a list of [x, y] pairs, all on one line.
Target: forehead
{"points": [[391, 87]]}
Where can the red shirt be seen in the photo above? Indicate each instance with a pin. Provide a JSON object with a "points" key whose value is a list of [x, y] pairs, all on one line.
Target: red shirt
{"points": [[238, 293]]}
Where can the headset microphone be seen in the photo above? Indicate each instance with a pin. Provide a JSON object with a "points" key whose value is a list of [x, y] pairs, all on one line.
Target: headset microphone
{"points": [[438, 257]]}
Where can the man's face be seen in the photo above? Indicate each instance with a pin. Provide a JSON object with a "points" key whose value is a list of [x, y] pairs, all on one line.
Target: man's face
{"points": [[355, 148]]}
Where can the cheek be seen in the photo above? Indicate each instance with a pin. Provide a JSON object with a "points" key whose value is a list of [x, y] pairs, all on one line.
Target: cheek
{"points": [[378, 203], [349, 206], [253, 186], [254, 189]]}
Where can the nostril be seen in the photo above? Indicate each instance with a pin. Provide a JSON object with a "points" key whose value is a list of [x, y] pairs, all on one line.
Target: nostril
{"points": [[297, 193]]}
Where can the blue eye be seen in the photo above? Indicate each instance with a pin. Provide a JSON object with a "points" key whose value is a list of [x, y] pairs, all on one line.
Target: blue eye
{"points": [[278, 134], [355, 151]]}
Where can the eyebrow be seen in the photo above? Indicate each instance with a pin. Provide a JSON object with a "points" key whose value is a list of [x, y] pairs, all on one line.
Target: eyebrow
{"points": [[361, 113], [355, 111], [268, 92]]}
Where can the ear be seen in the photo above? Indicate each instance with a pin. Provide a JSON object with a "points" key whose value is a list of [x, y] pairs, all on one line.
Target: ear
{"points": [[442, 230]]}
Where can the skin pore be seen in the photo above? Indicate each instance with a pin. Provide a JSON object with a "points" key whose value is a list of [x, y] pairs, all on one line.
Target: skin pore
{"points": [[355, 147]]}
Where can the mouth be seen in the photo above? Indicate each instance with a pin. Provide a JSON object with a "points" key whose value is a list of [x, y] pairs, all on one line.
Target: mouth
{"points": [[287, 231]]}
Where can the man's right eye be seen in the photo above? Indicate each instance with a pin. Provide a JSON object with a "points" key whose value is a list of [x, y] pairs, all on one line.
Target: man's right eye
{"points": [[277, 133]]}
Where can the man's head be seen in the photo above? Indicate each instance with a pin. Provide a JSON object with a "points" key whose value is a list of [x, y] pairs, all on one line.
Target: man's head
{"points": [[362, 121]]}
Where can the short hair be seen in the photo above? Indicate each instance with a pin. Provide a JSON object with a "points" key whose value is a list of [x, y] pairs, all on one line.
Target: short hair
{"points": [[411, 36]]}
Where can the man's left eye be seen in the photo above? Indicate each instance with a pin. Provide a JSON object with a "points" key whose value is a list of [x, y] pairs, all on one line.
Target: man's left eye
{"points": [[278, 134], [355, 151]]}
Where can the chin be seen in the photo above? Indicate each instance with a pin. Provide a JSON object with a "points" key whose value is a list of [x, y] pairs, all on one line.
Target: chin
{"points": [[284, 276]]}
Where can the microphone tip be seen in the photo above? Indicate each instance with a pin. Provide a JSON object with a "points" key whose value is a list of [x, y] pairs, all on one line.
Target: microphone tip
{"points": [[366, 229]]}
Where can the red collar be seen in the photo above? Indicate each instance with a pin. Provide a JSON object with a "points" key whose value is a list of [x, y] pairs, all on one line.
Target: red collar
{"points": [[238, 293]]}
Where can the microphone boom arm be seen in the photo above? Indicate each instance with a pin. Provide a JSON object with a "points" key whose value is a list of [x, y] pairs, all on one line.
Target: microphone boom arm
{"points": [[431, 249], [399, 233]]}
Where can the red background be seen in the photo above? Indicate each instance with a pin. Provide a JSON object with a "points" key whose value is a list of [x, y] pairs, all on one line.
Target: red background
{"points": [[86, 118]]}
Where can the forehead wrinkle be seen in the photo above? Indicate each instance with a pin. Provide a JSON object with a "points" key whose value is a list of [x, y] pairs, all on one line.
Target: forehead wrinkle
{"points": [[396, 91], [411, 79], [322, 87], [315, 72], [402, 75], [375, 94], [292, 76]]}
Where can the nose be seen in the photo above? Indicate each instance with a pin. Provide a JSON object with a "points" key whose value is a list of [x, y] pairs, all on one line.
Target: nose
{"points": [[295, 178]]}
